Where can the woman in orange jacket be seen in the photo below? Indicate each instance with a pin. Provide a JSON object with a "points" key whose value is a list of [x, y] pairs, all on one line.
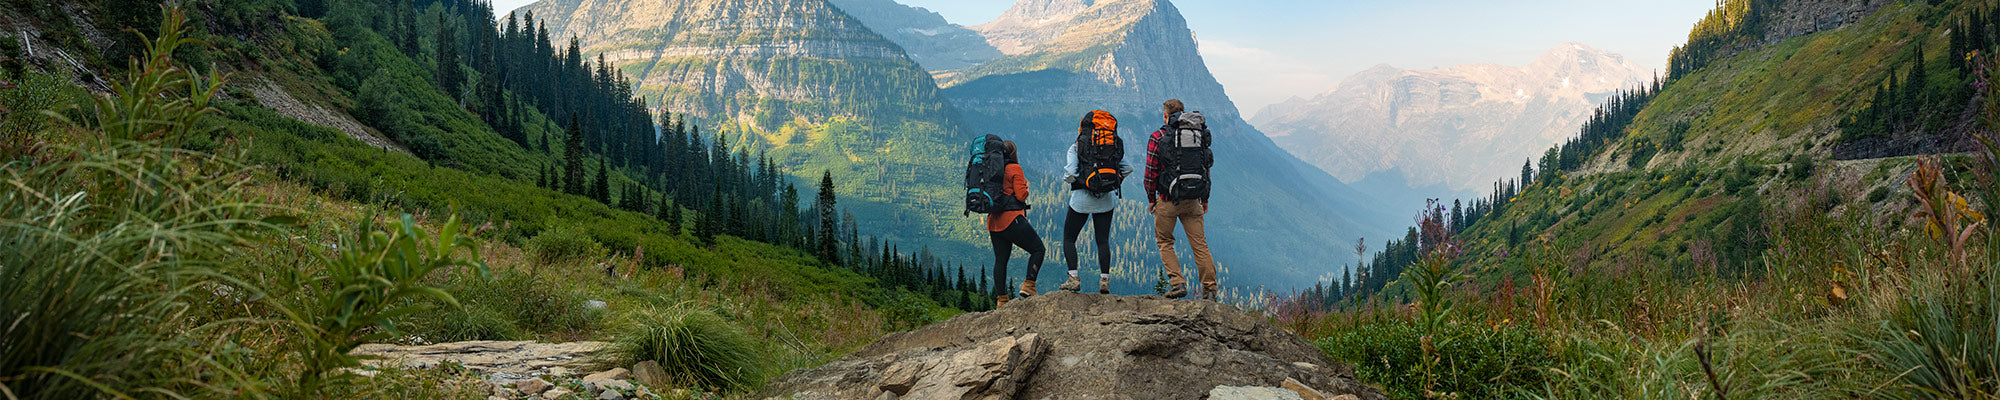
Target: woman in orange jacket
{"points": [[1010, 229]]}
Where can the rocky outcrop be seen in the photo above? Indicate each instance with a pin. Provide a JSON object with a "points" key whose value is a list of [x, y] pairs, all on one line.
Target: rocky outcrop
{"points": [[1070, 345], [1795, 18], [274, 97], [515, 358], [1463, 126]]}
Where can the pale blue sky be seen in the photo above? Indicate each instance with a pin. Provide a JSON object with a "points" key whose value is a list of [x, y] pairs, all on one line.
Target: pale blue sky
{"points": [[1266, 50]]}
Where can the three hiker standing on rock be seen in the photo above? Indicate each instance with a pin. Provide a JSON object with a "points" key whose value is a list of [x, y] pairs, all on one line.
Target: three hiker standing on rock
{"points": [[1178, 160]]}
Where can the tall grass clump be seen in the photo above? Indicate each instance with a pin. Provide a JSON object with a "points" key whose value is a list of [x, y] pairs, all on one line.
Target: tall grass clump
{"points": [[696, 348], [108, 234], [514, 305]]}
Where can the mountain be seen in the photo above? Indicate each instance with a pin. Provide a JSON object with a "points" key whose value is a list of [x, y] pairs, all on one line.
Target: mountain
{"points": [[804, 82], [936, 44], [1276, 221], [1462, 126]]}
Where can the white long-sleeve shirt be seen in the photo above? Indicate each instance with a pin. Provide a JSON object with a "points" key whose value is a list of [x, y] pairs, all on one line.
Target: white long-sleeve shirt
{"points": [[1083, 201]]}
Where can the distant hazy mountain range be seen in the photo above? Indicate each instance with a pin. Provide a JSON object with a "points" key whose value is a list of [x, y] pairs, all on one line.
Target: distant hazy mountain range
{"points": [[1460, 127]]}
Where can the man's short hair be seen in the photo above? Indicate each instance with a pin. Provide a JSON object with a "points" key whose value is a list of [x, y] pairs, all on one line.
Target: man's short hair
{"points": [[1173, 106]]}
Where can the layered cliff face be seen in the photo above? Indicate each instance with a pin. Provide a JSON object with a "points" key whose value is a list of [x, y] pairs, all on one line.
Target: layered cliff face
{"points": [[1276, 221], [807, 83], [1463, 126], [936, 44], [760, 64]]}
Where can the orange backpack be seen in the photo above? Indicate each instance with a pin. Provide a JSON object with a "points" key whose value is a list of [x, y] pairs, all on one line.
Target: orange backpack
{"points": [[1099, 153]]}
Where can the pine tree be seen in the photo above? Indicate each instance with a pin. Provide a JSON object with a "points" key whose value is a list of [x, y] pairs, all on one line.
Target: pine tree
{"points": [[573, 157], [449, 77], [829, 228], [602, 190], [707, 226]]}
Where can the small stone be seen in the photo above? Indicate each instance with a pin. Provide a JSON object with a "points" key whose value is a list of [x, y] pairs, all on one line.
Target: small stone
{"points": [[1305, 392], [619, 386], [886, 395], [1345, 397], [611, 375], [495, 398], [649, 373], [532, 386], [594, 305], [555, 393], [611, 395], [1251, 393]]}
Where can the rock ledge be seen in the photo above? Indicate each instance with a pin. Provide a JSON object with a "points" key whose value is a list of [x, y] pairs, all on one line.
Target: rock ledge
{"points": [[1080, 346]]}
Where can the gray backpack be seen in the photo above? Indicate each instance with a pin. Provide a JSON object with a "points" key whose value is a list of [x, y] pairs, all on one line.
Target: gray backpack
{"points": [[1186, 158]]}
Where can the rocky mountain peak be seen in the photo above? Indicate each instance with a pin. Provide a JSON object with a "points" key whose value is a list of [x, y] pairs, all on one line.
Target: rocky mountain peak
{"points": [[1592, 70], [1037, 25], [1087, 346]]}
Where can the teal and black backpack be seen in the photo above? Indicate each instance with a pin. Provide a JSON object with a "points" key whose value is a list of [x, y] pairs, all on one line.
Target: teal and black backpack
{"points": [[985, 178]]}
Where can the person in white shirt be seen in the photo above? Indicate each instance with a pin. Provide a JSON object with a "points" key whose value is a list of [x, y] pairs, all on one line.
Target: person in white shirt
{"points": [[1093, 207]]}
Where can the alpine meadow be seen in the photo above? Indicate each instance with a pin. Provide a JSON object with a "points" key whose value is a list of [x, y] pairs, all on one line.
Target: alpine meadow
{"points": [[1019, 199]]}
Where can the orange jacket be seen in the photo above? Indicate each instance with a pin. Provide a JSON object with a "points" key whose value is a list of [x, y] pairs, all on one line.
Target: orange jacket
{"points": [[1014, 184]]}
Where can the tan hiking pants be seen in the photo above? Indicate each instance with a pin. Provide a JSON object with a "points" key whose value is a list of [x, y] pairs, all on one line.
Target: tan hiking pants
{"points": [[1188, 213]]}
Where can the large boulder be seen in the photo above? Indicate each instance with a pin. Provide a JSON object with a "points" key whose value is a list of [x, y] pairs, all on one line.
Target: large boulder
{"points": [[1079, 346]]}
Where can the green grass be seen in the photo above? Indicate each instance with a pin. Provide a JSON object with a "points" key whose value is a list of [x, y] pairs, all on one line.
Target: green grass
{"points": [[695, 348]]}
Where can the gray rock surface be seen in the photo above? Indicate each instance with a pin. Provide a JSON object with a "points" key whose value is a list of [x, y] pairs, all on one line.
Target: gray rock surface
{"points": [[1074, 345], [1252, 393], [517, 359]]}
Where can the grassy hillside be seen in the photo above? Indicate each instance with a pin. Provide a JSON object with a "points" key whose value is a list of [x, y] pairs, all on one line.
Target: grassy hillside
{"points": [[1713, 246], [180, 239]]}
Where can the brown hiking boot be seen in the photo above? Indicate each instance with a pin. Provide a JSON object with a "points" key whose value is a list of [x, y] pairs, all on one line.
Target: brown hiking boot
{"points": [[1104, 285], [1176, 291], [1027, 289], [1000, 301], [1072, 285], [1209, 294]]}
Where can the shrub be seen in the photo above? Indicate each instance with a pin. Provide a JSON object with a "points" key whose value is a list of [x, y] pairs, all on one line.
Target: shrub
{"points": [[1474, 362], [563, 244], [696, 348], [1879, 194]]}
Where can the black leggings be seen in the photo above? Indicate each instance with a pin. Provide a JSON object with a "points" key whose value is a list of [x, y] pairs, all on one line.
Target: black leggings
{"points": [[1100, 231], [1022, 235]]}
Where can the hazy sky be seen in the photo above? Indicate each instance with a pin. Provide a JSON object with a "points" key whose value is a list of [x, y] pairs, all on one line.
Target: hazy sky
{"points": [[1264, 51]]}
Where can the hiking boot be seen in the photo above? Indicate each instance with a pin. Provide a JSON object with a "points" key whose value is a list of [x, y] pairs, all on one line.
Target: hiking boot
{"points": [[1209, 294], [1104, 285], [1177, 291], [1072, 285], [999, 301], [1027, 290]]}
